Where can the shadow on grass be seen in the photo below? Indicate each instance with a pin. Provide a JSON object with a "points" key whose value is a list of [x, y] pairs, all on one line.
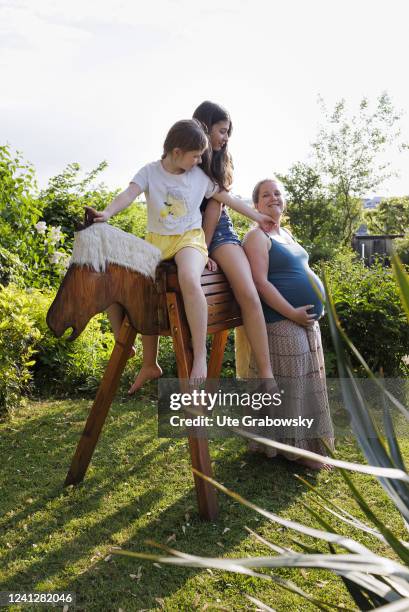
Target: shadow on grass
{"points": [[138, 487]]}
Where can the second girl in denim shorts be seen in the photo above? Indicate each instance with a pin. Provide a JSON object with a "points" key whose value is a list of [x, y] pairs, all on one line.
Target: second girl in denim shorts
{"points": [[224, 233], [223, 243]]}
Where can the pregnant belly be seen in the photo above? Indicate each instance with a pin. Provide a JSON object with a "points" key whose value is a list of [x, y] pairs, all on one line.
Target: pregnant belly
{"points": [[300, 291]]}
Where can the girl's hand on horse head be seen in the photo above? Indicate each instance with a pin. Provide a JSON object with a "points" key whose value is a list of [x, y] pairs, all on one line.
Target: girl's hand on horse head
{"points": [[211, 265], [98, 216]]}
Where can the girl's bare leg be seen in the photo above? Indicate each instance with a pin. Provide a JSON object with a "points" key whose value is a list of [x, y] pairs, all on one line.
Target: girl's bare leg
{"points": [[150, 368], [191, 263], [234, 263]]}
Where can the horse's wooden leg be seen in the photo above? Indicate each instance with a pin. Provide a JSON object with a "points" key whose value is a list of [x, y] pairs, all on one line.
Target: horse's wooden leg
{"points": [[199, 447], [217, 353], [101, 405]]}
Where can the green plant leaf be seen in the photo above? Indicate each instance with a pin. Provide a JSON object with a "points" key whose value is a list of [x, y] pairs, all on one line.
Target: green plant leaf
{"points": [[230, 565], [373, 470], [362, 598], [400, 549], [402, 280]]}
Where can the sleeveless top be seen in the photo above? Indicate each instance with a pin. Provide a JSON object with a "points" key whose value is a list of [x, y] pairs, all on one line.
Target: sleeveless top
{"points": [[289, 272]]}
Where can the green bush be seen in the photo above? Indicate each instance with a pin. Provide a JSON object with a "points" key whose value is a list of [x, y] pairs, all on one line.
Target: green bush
{"points": [[133, 219], [69, 368], [369, 308], [19, 208], [32, 359], [18, 338], [37, 228], [11, 268], [66, 195], [32, 252], [401, 246]]}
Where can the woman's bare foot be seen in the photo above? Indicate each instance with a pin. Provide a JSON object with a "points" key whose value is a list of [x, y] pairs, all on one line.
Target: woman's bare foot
{"points": [[132, 352], [313, 465], [198, 374], [146, 373]]}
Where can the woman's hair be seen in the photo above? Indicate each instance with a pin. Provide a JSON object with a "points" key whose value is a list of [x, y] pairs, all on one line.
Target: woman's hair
{"points": [[256, 191], [221, 166], [187, 135]]}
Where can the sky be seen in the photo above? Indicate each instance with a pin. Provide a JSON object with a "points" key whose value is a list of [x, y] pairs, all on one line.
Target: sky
{"points": [[91, 80]]}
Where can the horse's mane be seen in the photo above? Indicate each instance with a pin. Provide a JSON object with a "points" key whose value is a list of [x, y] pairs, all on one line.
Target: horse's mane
{"points": [[101, 244]]}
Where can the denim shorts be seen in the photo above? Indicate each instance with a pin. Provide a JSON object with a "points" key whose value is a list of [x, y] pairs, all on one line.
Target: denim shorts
{"points": [[224, 233]]}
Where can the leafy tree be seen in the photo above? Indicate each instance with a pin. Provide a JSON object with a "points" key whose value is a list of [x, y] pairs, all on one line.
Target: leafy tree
{"points": [[350, 154], [19, 208], [390, 217], [68, 192], [31, 253], [313, 216]]}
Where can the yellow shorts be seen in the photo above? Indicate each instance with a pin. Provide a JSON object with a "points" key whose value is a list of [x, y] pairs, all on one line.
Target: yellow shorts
{"points": [[170, 245]]}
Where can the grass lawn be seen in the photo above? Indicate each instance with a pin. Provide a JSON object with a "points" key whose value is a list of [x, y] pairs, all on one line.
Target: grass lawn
{"points": [[140, 487]]}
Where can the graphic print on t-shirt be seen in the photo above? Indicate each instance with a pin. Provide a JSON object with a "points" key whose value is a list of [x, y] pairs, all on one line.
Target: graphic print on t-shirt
{"points": [[174, 205]]}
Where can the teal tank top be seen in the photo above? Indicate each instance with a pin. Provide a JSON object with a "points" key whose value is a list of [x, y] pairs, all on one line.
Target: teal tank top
{"points": [[289, 272]]}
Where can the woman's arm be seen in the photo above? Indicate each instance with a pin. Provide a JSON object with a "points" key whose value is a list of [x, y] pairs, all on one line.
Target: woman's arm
{"points": [[256, 247], [211, 218], [121, 201], [265, 222]]}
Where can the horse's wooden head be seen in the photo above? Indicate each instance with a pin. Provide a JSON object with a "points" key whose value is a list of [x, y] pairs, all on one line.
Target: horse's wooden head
{"points": [[84, 293], [89, 288]]}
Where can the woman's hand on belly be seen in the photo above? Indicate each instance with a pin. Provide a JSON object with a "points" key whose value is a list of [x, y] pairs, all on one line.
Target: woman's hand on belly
{"points": [[301, 316]]}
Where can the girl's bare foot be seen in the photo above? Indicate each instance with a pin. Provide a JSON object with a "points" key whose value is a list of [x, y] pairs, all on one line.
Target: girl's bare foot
{"points": [[198, 374], [146, 373]]}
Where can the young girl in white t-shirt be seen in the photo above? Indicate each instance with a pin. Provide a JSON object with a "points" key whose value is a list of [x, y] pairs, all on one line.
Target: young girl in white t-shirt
{"points": [[174, 188]]}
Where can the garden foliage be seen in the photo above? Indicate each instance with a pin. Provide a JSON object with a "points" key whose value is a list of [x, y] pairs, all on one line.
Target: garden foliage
{"points": [[18, 338], [33, 360], [402, 249], [391, 216], [369, 308], [36, 230]]}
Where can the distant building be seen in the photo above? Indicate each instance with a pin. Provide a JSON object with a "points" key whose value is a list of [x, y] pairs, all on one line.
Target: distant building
{"points": [[370, 247]]}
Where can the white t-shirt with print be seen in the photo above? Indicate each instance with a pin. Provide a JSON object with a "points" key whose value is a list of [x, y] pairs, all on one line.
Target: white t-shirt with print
{"points": [[173, 199]]}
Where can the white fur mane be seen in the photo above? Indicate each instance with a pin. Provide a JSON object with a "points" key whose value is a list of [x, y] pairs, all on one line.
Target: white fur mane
{"points": [[101, 244]]}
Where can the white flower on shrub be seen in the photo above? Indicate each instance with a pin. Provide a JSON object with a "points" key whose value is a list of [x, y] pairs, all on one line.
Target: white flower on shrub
{"points": [[41, 226], [54, 258], [65, 261], [55, 234]]}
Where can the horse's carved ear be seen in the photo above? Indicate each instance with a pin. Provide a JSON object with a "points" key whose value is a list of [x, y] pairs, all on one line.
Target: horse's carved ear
{"points": [[89, 216]]}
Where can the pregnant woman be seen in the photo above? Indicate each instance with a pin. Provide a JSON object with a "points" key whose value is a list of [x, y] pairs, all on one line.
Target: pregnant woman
{"points": [[288, 290]]}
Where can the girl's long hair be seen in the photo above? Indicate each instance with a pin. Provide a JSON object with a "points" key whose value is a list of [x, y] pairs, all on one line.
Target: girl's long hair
{"points": [[221, 165]]}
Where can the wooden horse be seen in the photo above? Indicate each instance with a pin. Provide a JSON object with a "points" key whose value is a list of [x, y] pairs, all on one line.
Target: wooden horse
{"points": [[153, 305]]}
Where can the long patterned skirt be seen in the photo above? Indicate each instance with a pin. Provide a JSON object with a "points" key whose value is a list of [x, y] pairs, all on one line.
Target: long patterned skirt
{"points": [[297, 362]]}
